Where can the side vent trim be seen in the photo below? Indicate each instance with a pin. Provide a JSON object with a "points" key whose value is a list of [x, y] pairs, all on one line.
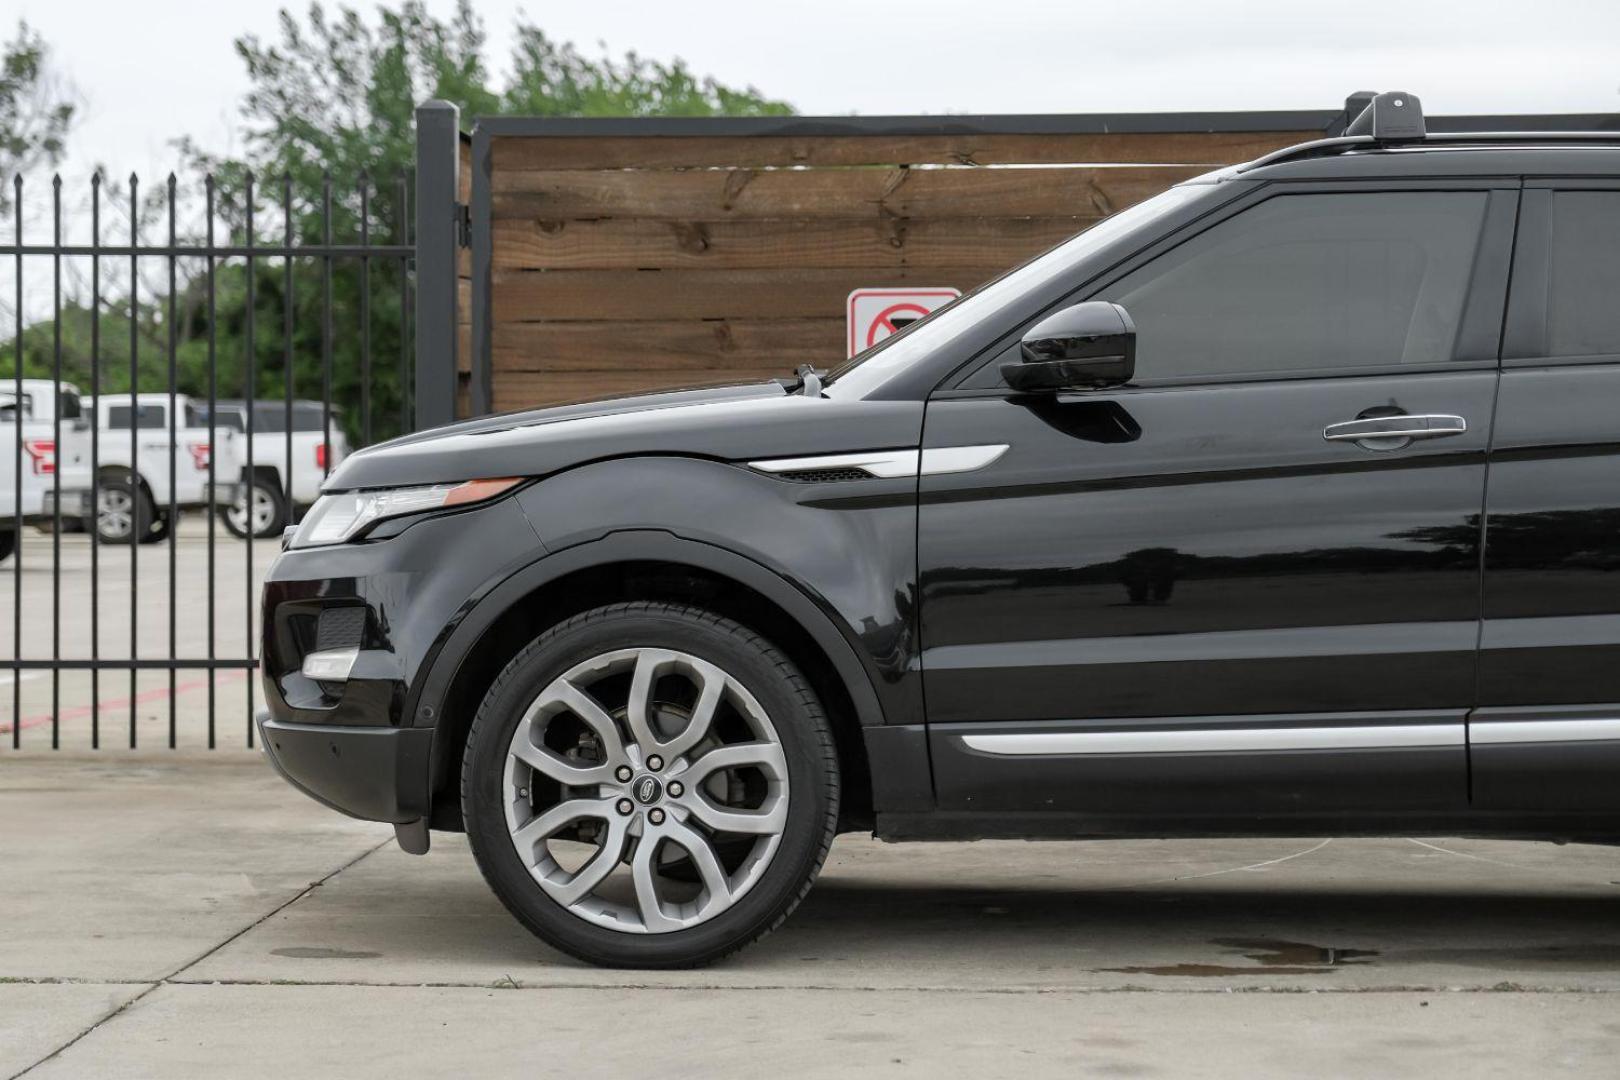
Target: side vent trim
{"points": [[881, 464]]}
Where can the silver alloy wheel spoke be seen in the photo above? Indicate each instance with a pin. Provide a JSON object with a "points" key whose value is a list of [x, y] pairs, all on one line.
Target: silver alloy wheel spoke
{"points": [[716, 885], [720, 819], [648, 905], [672, 811], [565, 813], [768, 757], [653, 664], [596, 870]]}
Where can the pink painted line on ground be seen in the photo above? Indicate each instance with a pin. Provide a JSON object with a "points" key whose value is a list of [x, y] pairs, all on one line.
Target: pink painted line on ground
{"points": [[79, 712]]}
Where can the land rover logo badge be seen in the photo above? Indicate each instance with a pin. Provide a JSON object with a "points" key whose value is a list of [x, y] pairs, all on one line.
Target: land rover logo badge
{"points": [[647, 790]]}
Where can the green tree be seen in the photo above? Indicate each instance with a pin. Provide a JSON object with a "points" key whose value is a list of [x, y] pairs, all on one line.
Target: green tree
{"points": [[332, 102], [36, 109], [330, 108]]}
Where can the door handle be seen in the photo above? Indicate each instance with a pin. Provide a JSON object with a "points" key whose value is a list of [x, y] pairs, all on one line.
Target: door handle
{"points": [[1401, 426]]}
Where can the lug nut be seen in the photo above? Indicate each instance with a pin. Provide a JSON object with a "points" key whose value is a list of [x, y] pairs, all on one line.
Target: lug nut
{"points": [[625, 807], [676, 789], [655, 763], [623, 773], [656, 816]]}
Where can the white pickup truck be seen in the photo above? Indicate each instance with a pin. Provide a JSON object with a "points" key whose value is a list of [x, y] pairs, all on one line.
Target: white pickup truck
{"points": [[51, 467], [134, 497], [275, 476]]}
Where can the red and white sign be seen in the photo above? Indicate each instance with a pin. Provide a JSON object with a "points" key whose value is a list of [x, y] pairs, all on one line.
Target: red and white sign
{"points": [[874, 314]]}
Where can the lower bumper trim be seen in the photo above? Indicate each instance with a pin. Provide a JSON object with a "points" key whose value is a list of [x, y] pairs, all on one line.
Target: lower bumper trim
{"points": [[376, 774]]}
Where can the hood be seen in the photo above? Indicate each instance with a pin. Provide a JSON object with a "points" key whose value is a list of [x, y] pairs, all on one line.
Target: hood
{"points": [[727, 423]]}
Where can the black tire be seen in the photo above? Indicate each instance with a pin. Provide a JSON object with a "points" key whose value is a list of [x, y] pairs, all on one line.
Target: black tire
{"points": [[773, 680], [264, 493], [8, 543], [134, 514], [160, 530]]}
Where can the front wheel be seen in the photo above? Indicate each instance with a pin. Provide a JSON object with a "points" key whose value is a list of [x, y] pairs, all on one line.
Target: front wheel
{"points": [[259, 507], [650, 785]]}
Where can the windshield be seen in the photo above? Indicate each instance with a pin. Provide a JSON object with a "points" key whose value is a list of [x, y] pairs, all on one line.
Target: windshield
{"points": [[874, 366]]}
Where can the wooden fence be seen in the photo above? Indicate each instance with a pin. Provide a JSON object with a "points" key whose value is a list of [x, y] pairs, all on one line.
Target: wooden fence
{"points": [[619, 255], [631, 255]]}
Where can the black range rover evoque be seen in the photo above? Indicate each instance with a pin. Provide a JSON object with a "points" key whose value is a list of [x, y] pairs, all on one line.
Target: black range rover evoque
{"points": [[1285, 502]]}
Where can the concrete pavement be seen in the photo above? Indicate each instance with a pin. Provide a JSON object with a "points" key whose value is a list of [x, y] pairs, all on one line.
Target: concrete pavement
{"points": [[188, 915]]}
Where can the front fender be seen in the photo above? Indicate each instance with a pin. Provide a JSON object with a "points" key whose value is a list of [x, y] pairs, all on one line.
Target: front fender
{"points": [[839, 558]]}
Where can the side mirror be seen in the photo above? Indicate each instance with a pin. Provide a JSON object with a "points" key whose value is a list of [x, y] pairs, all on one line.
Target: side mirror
{"points": [[1085, 347]]}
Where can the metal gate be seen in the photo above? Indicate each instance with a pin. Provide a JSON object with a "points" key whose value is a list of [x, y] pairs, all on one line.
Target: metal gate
{"points": [[182, 362]]}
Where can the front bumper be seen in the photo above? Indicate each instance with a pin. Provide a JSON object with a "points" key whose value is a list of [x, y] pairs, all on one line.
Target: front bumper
{"points": [[379, 774]]}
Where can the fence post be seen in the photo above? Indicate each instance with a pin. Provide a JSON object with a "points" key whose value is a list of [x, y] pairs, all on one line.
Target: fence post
{"points": [[438, 222]]}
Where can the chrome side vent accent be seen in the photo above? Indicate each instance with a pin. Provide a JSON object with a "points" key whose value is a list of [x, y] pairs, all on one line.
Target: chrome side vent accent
{"points": [[883, 464], [879, 464]]}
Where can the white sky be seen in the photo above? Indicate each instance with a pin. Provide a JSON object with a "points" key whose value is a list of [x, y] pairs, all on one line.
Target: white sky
{"points": [[152, 70]]}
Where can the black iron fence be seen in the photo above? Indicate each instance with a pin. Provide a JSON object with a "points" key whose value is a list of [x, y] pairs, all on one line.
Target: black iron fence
{"points": [[183, 374]]}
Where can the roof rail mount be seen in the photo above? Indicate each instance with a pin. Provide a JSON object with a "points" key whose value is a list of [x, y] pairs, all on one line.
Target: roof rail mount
{"points": [[1389, 118]]}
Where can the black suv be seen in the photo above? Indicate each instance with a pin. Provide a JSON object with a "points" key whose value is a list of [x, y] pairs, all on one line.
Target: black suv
{"points": [[1285, 502]]}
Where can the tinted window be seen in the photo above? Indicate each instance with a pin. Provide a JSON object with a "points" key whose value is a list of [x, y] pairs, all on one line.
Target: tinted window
{"points": [[225, 418], [67, 403], [149, 416], [1309, 282], [1583, 274]]}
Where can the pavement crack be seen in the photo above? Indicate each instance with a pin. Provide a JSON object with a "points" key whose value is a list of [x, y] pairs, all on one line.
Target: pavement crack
{"points": [[174, 975]]}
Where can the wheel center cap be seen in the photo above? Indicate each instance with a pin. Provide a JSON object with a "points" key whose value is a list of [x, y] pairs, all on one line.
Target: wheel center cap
{"points": [[647, 790]]}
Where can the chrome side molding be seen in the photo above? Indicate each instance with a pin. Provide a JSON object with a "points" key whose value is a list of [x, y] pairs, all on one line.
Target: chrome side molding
{"points": [[1219, 740], [1579, 729]]}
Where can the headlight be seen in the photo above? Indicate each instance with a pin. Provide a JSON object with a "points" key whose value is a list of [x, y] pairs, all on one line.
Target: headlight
{"points": [[335, 519]]}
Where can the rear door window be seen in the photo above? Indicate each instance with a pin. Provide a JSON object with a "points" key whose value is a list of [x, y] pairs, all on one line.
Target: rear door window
{"points": [[1583, 274]]}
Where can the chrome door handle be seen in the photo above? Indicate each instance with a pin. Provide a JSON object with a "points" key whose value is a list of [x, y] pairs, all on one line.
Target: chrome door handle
{"points": [[1395, 427]]}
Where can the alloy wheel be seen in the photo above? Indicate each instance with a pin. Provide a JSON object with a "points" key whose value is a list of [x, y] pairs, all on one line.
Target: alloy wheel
{"points": [[115, 513], [264, 511], [651, 760]]}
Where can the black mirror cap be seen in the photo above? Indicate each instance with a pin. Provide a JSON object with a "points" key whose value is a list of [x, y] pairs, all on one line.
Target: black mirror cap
{"points": [[1085, 347]]}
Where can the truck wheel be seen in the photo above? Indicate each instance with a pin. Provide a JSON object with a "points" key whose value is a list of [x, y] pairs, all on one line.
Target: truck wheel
{"points": [[160, 529], [630, 745], [269, 512], [8, 544], [123, 512]]}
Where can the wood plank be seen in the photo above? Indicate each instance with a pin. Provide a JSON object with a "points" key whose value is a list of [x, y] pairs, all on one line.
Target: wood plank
{"points": [[627, 244], [721, 194], [667, 344], [661, 152], [522, 390], [703, 294]]}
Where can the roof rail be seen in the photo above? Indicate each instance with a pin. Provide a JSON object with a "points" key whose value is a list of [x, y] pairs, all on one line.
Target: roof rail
{"points": [[1395, 116], [1393, 119]]}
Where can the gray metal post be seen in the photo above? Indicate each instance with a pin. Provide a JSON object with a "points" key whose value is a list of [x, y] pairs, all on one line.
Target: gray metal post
{"points": [[438, 161]]}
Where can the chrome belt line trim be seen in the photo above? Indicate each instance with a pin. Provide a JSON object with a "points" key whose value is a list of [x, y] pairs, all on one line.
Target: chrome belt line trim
{"points": [[888, 464], [1217, 740], [1493, 732]]}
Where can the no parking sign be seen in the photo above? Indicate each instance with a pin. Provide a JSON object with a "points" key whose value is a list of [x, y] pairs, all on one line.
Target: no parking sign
{"points": [[874, 314]]}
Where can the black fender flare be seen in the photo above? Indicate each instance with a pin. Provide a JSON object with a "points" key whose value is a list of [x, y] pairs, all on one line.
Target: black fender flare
{"points": [[636, 545]]}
